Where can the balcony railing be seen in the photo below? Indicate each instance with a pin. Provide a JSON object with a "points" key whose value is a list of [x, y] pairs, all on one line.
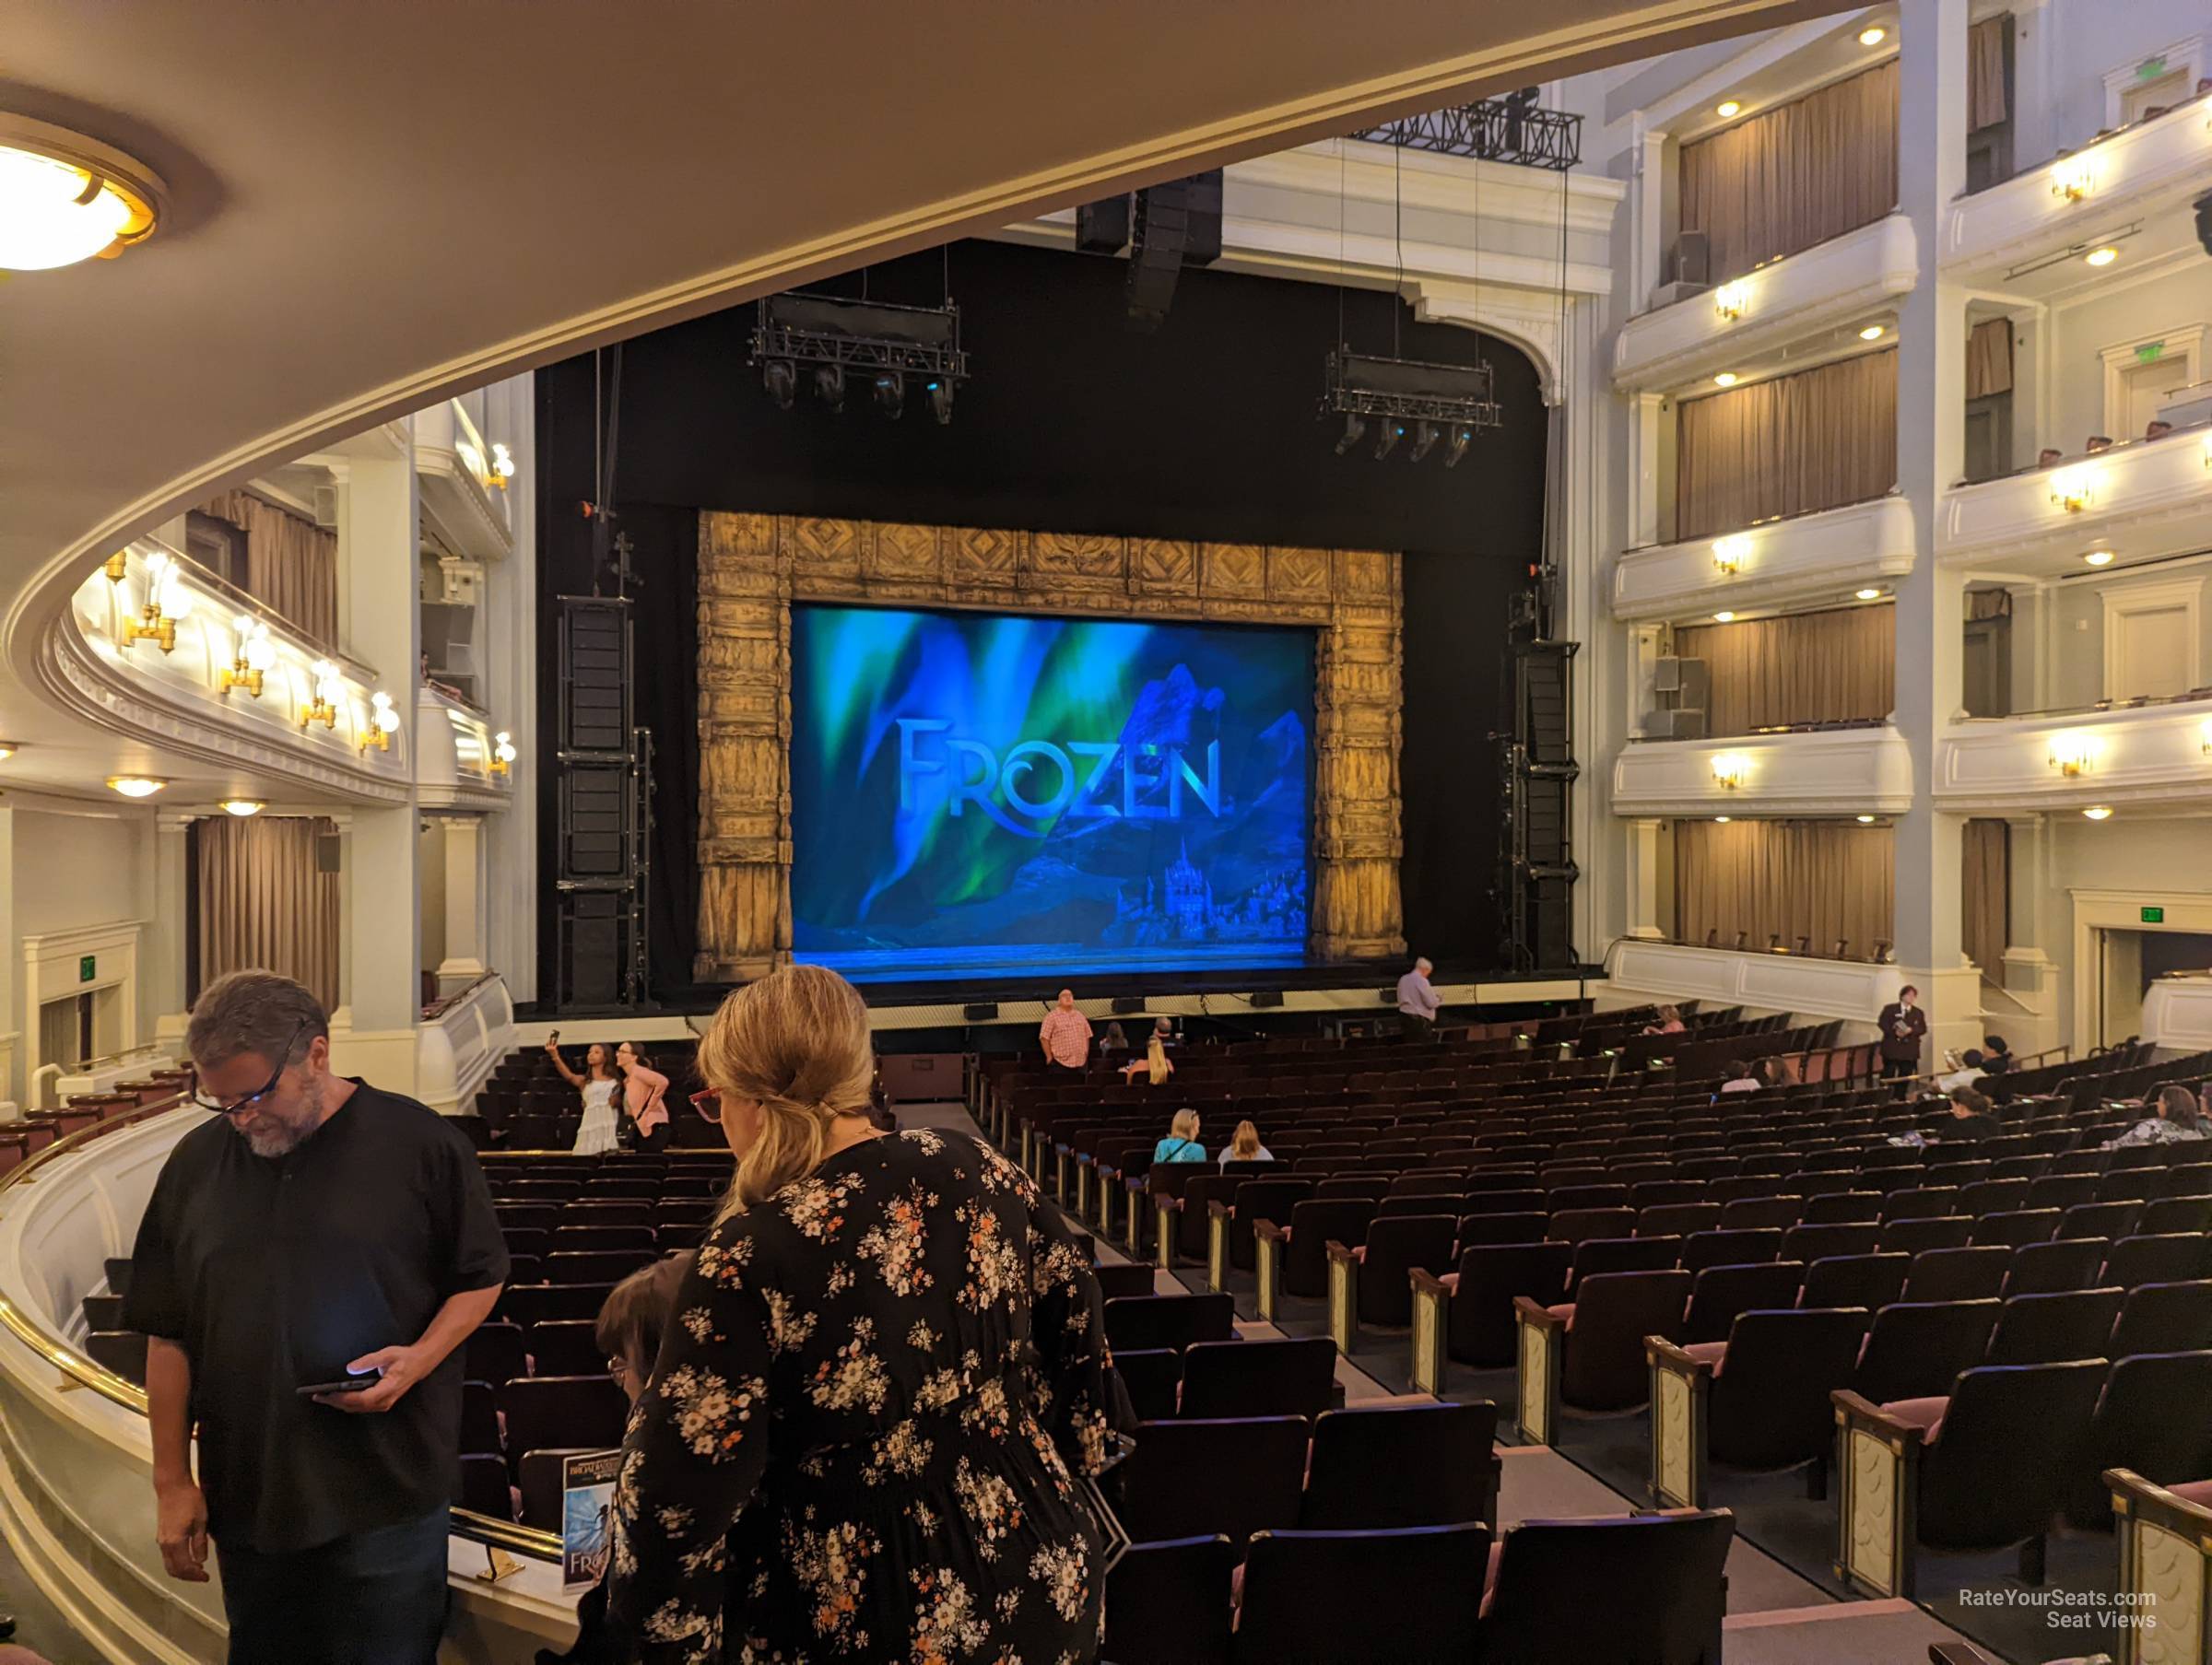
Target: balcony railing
{"points": [[1804, 984], [2139, 499], [1823, 555], [2132, 752], [1832, 770], [457, 751]]}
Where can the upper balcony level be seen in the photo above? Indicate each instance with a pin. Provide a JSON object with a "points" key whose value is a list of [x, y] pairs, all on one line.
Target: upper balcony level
{"points": [[1842, 769], [2154, 753], [1849, 281], [462, 762], [2138, 500], [1833, 555], [464, 481]]}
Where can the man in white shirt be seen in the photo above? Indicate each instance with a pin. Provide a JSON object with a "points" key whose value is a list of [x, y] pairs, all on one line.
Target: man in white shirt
{"points": [[1417, 1003], [1970, 1070]]}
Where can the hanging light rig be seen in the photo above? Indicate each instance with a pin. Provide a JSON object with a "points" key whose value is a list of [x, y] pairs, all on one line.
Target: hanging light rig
{"points": [[1408, 399]]}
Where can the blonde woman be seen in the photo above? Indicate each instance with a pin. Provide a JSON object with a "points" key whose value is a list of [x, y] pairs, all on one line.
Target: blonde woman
{"points": [[883, 1369], [1182, 1143], [1155, 1065], [1244, 1146]]}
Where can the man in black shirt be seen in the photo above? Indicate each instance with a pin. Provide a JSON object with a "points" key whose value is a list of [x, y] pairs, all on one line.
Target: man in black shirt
{"points": [[315, 1229]]}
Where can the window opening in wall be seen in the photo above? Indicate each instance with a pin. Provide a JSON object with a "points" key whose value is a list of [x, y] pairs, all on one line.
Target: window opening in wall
{"points": [[1987, 664], [1989, 103], [218, 546]]}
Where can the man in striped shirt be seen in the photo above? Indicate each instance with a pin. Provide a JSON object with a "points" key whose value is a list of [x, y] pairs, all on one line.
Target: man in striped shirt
{"points": [[1065, 1034]]}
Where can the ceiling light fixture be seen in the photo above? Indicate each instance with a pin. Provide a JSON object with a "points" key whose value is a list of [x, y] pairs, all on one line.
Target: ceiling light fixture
{"points": [[1866, 820], [66, 198], [1872, 332], [2099, 812], [1723, 820], [242, 807], [135, 786], [1725, 378], [2099, 557], [1723, 617], [8, 748], [2101, 257], [1874, 34], [1727, 108], [1870, 595]]}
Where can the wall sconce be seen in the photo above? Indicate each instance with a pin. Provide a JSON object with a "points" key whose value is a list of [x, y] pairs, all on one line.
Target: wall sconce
{"points": [[382, 719], [2206, 731], [166, 603], [503, 753], [2070, 490], [324, 707], [1728, 553], [1728, 769], [256, 653], [2071, 178], [1732, 301], [8, 749], [2071, 754], [502, 467]]}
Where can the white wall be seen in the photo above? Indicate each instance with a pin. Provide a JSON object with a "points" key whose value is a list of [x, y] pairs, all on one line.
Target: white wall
{"points": [[2125, 311], [430, 868], [2063, 49], [2077, 672], [2154, 860], [80, 870]]}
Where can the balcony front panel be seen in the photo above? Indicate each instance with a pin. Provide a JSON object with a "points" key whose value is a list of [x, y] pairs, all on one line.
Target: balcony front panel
{"points": [[464, 488], [1828, 772], [2177, 1013], [1771, 982], [2145, 172], [2151, 754], [2141, 500], [457, 751], [1833, 283], [1809, 558]]}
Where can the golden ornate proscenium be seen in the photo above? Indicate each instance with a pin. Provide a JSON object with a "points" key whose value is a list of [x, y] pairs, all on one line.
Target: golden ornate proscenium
{"points": [[752, 567]]}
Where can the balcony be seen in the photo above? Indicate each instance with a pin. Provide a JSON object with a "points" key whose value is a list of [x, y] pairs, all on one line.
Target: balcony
{"points": [[2130, 190], [463, 488], [1859, 770], [457, 765], [1853, 990], [219, 678], [2147, 752], [1781, 563], [1842, 281], [2177, 1011], [2141, 500]]}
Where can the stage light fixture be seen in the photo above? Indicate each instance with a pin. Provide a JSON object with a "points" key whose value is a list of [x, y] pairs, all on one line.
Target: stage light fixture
{"points": [[1461, 438], [1387, 441], [1425, 435], [1430, 398], [940, 389], [883, 343], [829, 386], [1355, 430], [782, 379], [890, 393]]}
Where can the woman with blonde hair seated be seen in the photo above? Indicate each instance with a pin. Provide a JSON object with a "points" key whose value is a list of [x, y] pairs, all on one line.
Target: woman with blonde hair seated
{"points": [[1155, 1065], [1182, 1143], [886, 1365], [1244, 1146]]}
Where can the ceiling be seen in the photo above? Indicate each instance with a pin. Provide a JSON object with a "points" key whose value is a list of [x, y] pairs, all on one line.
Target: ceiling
{"points": [[374, 206]]}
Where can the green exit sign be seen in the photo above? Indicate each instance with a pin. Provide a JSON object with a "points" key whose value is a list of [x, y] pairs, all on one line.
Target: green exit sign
{"points": [[88, 967], [2150, 69], [2154, 916], [2150, 352]]}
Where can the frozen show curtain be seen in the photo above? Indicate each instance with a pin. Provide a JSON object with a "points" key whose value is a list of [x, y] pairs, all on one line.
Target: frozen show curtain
{"points": [[1795, 175], [1836, 666], [263, 904], [1824, 880], [1818, 440], [291, 563]]}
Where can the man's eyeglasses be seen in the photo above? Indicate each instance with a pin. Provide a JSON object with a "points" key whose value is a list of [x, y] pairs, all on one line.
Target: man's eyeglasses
{"points": [[707, 1103], [249, 1099]]}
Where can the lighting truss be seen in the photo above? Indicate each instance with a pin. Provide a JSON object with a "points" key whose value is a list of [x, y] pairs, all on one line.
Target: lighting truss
{"points": [[1495, 130], [1459, 397], [872, 339]]}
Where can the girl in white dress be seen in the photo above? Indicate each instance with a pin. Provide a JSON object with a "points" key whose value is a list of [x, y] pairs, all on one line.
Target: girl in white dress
{"points": [[598, 1084]]}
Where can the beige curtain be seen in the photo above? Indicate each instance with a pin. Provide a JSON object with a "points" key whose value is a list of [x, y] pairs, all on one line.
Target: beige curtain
{"points": [[1818, 440], [291, 564], [1986, 73], [1989, 358], [263, 904], [1985, 894], [1817, 879], [1809, 667], [1795, 175]]}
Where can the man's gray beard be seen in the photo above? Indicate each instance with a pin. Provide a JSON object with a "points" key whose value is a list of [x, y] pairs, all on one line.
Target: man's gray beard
{"points": [[280, 1138]]}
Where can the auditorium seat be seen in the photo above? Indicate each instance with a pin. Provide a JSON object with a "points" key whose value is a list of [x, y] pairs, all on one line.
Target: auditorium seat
{"points": [[1168, 1603], [1396, 1465], [1921, 1202], [1659, 1582], [480, 1485], [532, 1304], [1843, 1208], [1394, 1245], [1732, 1246], [1420, 1592], [539, 1484], [2176, 1257], [103, 1312], [1721, 1293], [2163, 1216], [2016, 1227], [1501, 1199], [1676, 1219], [1502, 1228], [495, 1351], [625, 1239], [1871, 1281], [1924, 1232], [1765, 1390], [2154, 1417], [1269, 1198], [1777, 1212], [2047, 1329], [119, 1351], [542, 1412], [1823, 1241], [2060, 1190], [1595, 1256], [2164, 1317], [1304, 1248], [1235, 1476], [1153, 1376], [1126, 1278], [1993, 1196], [2061, 1264], [1917, 1348], [1478, 1325], [1292, 1377], [1957, 1274], [1571, 1225], [565, 1347], [2111, 1221], [479, 1421], [1168, 1321], [1588, 1353]]}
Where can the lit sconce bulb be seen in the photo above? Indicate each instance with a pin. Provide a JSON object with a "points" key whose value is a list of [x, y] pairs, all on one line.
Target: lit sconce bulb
{"points": [[322, 708], [502, 463], [383, 720], [2207, 731], [386, 718], [242, 807], [8, 749], [2071, 754], [252, 658], [1731, 300], [161, 604], [135, 786], [1728, 771], [2070, 489], [2099, 812], [1728, 553], [502, 753], [2071, 178]]}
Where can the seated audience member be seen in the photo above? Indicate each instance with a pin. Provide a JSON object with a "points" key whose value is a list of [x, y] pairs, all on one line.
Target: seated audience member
{"points": [[1155, 1066], [2179, 1119], [1969, 1071], [1996, 1057], [2097, 442], [2156, 429], [1244, 1146], [1972, 1117], [1670, 1023], [1114, 1044], [2048, 455], [1182, 1143], [1741, 1079], [631, 1320]]}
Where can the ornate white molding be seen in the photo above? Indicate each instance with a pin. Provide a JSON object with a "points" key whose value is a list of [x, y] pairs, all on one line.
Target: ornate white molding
{"points": [[1810, 557], [1831, 772], [2151, 755]]}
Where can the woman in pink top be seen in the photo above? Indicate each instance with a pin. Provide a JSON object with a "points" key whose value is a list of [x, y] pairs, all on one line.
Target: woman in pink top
{"points": [[643, 1090]]}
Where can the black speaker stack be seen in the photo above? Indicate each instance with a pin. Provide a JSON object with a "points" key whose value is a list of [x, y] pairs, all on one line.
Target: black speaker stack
{"points": [[604, 793]]}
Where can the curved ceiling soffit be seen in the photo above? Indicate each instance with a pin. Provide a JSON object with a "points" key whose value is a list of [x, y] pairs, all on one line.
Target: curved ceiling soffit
{"points": [[42, 599]]}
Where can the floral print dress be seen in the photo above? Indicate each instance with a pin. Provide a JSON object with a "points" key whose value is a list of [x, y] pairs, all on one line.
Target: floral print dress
{"points": [[860, 1435]]}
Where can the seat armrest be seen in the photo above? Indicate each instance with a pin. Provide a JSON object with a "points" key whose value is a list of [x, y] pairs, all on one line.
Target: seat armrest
{"points": [[1863, 1412], [1669, 1356], [1337, 1251], [1270, 1231], [1534, 1315], [1222, 1210], [1424, 1282]]}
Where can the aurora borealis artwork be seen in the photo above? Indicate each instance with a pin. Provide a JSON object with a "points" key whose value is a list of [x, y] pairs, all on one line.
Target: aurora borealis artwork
{"points": [[982, 795]]}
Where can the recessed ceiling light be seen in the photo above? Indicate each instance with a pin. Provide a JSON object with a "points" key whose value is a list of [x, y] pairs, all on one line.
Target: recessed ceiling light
{"points": [[1872, 332], [1724, 820], [2099, 812], [1726, 108], [7, 750], [243, 806], [2102, 257], [1874, 34], [135, 786], [2099, 557], [1723, 617], [1725, 378], [1870, 595], [1866, 820], [66, 198]]}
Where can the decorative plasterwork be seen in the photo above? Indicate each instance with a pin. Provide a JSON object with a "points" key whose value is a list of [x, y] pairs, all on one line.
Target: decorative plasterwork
{"points": [[1809, 558], [752, 567], [1831, 772]]}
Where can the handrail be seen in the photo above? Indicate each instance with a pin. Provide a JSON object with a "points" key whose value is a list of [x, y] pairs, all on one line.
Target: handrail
{"points": [[465, 1523], [2134, 702]]}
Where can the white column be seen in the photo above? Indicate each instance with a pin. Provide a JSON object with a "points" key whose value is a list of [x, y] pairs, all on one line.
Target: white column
{"points": [[1653, 198], [507, 632], [1931, 444], [1645, 415], [164, 950], [378, 521], [465, 936], [11, 956], [1651, 878]]}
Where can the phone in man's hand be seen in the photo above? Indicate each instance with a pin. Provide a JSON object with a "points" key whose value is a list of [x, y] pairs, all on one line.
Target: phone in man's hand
{"points": [[351, 1383]]}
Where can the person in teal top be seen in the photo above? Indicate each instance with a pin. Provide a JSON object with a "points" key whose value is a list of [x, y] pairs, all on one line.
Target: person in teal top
{"points": [[1182, 1143]]}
